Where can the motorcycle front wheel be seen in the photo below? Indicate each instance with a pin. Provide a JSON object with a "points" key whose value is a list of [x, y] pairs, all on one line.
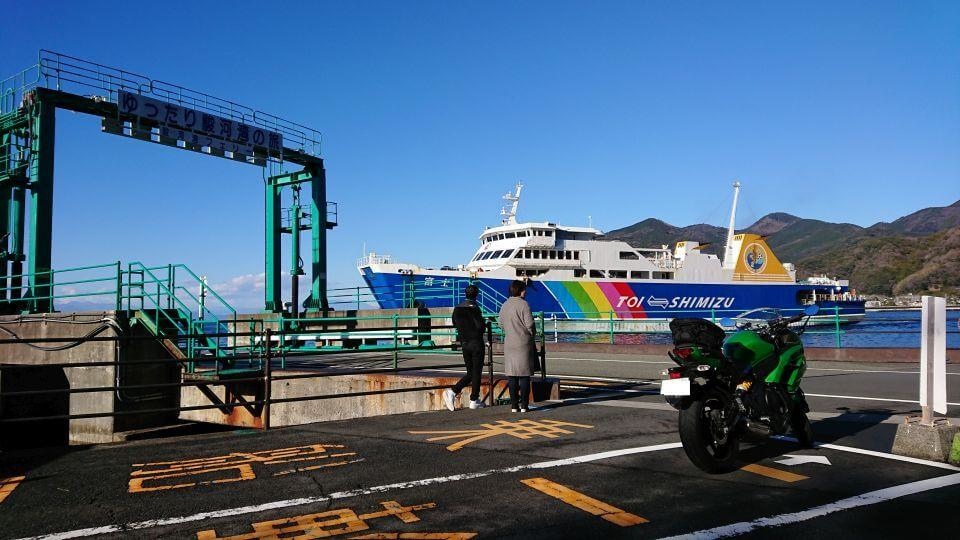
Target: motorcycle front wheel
{"points": [[707, 435]]}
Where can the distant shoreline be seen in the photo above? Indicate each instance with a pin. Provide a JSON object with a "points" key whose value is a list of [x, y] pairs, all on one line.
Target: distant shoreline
{"points": [[908, 308]]}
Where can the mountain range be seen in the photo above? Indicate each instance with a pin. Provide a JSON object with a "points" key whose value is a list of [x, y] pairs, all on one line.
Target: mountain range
{"points": [[914, 254]]}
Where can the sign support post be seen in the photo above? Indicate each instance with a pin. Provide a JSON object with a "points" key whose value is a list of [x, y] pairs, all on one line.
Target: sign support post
{"points": [[927, 437]]}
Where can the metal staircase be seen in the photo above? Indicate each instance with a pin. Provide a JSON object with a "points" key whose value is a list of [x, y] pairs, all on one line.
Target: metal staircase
{"points": [[172, 312]]}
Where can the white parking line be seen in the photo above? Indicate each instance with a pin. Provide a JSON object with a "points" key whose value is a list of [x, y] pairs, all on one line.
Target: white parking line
{"points": [[106, 529], [866, 499], [833, 396], [869, 398], [871, 371]]}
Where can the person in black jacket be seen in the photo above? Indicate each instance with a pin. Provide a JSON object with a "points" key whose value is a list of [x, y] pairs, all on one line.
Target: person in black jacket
{"points": [[468, 321]]}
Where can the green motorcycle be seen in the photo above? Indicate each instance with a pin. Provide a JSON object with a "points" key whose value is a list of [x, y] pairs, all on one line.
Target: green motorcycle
{"points": [[725, 387]]}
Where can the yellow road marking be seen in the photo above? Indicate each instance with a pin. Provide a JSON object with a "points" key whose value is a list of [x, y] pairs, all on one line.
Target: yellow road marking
{"points": [[326, 524], [234, 467], [7, 485], [776, 474], [587, 504], [521, 429], [417, 536]]}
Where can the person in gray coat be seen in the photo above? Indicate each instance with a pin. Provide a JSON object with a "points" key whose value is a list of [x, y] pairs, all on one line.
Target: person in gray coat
{"points": [[519, 354]]}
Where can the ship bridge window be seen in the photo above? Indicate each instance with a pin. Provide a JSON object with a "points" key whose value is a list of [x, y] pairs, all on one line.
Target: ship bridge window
{"points": [[576, 255], [636, 274], [553, 254], [620, 274], [510, 235], [497, 254], [548, 233], [579, 272], [663, 275], [597, 274], [629, 256], [486, 255]]}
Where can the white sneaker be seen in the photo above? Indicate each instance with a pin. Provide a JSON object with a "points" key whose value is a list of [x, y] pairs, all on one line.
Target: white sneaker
{"points": [[448, 398], [476, 404], [514, 410]]}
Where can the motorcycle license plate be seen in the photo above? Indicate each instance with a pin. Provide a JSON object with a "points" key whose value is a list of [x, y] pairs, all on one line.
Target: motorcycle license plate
{"points": [[675, 387]]}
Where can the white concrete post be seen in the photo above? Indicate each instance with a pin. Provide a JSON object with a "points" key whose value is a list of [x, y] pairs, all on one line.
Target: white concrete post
{"points": [[933, 357]]}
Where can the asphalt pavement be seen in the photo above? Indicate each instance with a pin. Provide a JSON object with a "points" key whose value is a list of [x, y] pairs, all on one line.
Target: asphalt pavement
{"points": [[603, 462]]}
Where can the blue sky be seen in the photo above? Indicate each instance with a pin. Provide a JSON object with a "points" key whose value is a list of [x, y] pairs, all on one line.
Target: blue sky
{"points": [[430, 111]]}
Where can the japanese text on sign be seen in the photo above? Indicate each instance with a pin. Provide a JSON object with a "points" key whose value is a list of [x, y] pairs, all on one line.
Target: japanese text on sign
{"points": [[203, 123]]}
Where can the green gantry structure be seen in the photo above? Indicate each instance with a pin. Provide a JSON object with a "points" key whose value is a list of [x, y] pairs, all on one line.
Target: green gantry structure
{"points": [[29, 101]]}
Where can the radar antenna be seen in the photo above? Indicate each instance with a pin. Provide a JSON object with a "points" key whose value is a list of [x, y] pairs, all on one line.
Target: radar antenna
{"points": [[510, 215], [728, 255]]}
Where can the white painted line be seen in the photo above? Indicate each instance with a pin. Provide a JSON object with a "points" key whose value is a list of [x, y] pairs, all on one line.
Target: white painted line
{"points": [[575, 377], [870, 398], [608, 379], [106, 529], [870, 371], [611, 360], [658, 382], [895, 457], [866, 499], [620, 390]]}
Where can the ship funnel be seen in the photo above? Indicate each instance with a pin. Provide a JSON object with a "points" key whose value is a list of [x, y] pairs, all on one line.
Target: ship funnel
{"points": [[728, 254]]}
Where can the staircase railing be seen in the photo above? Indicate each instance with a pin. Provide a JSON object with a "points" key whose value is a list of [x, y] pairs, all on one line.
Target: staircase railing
{"points": [[174, 307]]}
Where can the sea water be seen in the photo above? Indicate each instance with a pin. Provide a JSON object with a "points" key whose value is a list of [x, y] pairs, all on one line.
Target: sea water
{"points": [[878, 329]]}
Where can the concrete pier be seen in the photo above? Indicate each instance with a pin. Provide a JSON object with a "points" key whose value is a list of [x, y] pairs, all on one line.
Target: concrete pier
{"points": [[26, 367], [358, 406]]}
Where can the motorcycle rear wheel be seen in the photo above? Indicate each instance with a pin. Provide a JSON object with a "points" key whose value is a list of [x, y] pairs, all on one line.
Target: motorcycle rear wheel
{"points": [[704, 440]]}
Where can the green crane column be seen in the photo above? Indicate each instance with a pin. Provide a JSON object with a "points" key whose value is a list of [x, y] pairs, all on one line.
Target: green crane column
{"points": [[5, 203], [273, 301], [17, 209], [41, 207], [318, 209], [5, 163]]}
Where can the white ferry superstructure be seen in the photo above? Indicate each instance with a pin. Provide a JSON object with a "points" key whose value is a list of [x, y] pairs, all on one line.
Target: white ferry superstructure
{"points": [[576, 273]]}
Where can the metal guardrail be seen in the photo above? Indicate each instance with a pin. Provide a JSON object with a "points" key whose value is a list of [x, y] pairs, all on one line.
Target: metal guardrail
{"points": [[68, 73], [261, 363]]}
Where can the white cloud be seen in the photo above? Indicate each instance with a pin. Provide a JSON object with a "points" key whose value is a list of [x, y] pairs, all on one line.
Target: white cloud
{"points": [[240, 285]]}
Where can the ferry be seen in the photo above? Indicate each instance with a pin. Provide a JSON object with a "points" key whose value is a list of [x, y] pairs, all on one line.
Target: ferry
{"points": [[575, 273]]}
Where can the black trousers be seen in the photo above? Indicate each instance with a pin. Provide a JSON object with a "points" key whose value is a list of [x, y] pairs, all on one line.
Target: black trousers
{"points": [[524, 390], [473, 359]]}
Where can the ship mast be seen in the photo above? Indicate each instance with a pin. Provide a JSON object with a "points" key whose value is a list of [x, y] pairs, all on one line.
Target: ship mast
{"points": [[728, 256], [510, 216]]}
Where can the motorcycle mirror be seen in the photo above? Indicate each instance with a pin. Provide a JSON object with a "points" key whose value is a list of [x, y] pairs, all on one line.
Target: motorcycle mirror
{"points": [[727, 322], [812, 309]]}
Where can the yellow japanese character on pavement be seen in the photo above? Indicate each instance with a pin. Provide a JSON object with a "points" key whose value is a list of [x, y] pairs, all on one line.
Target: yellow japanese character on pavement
{"points": [[522, 429]]}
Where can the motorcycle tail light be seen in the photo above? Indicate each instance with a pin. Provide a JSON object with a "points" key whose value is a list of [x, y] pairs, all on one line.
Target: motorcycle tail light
{"points": [[683, 352], [674, 374]]}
